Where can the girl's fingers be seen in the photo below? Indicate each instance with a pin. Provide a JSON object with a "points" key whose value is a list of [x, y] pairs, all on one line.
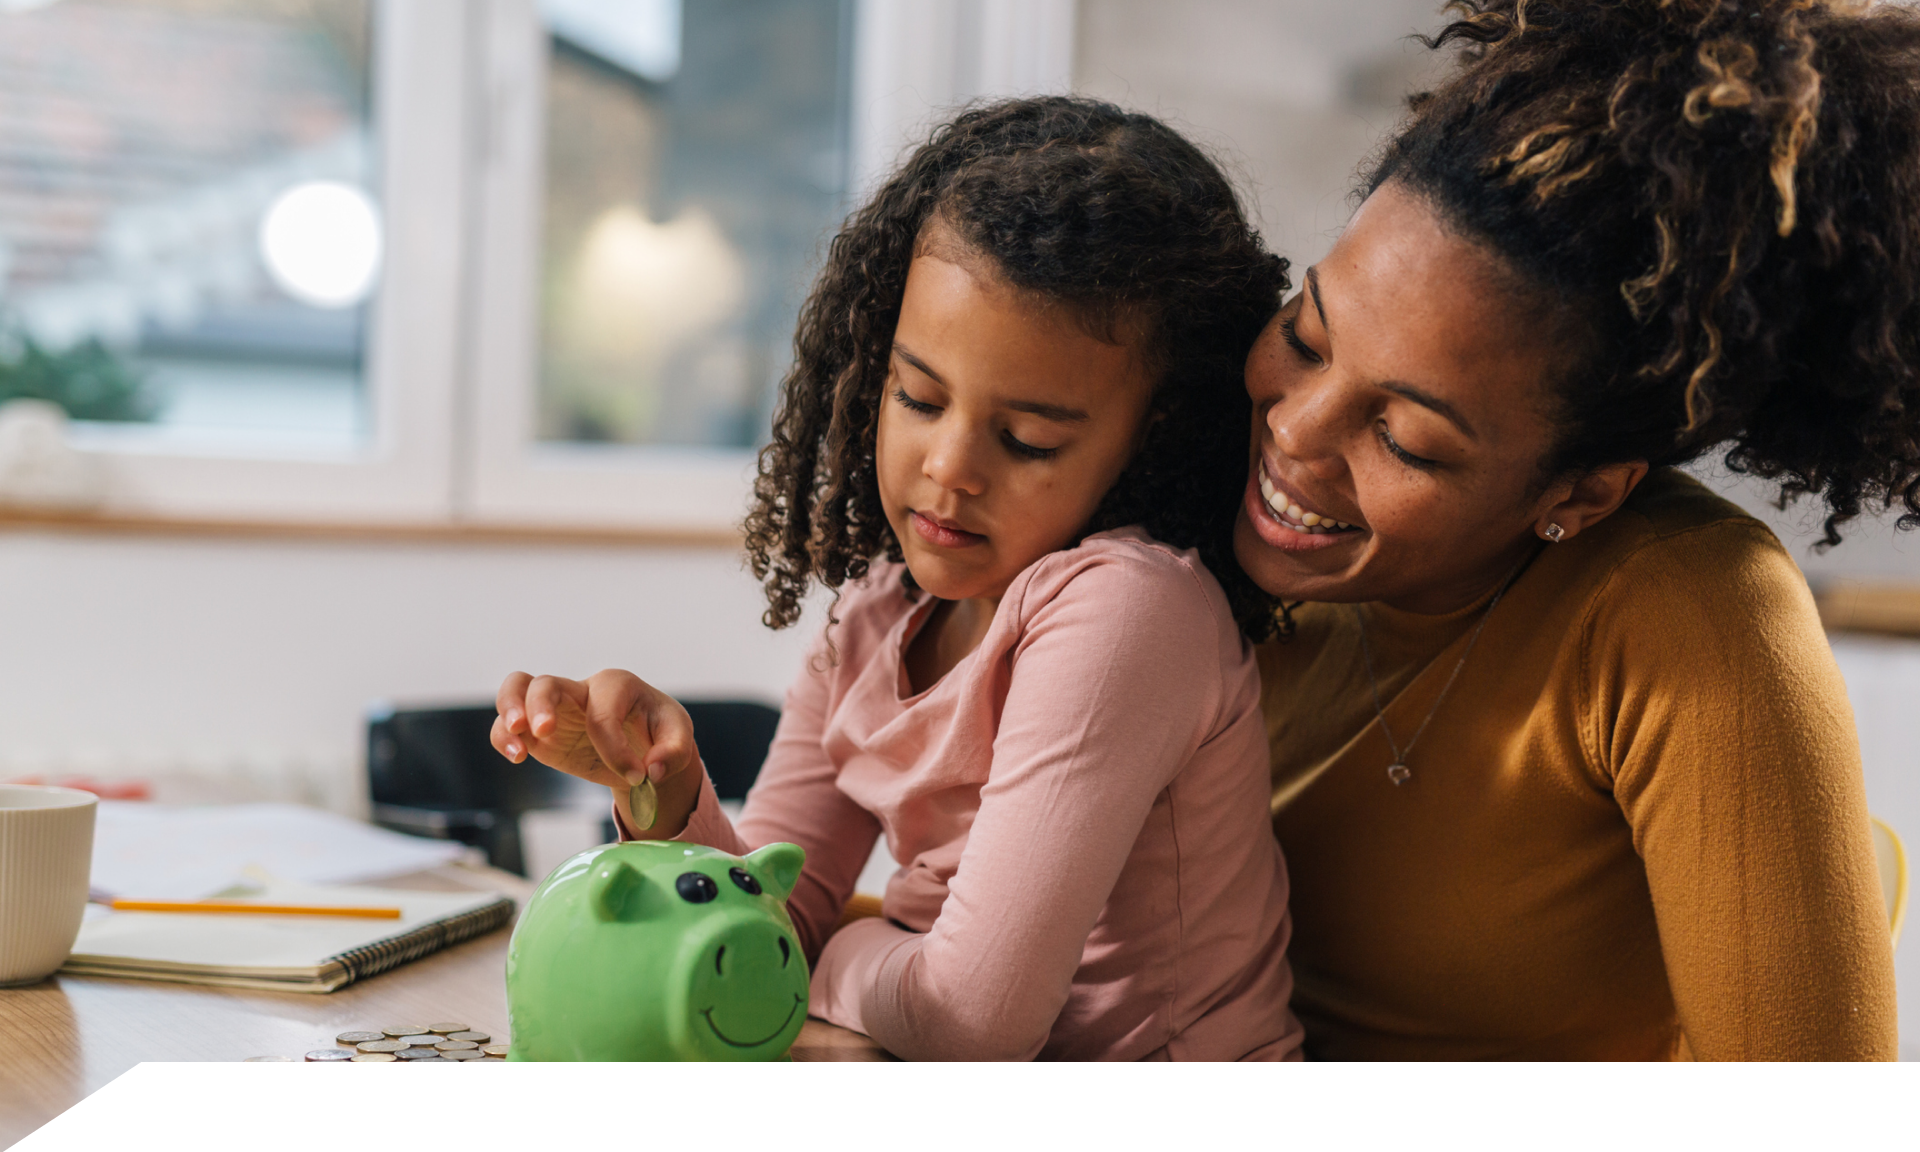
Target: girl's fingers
{"points": [[671, 732], [505, 743], [612, 698], [546, 696], [511, 702]]}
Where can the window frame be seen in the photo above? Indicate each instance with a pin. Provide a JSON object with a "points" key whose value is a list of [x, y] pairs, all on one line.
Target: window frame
{"points": [[411, 356], [451, 357]]}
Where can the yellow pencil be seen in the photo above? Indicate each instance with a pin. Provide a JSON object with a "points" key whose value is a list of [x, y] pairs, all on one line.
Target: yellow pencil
{"points": [[256, 909]]}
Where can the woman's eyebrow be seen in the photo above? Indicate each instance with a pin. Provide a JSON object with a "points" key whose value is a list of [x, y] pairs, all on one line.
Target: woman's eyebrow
{"points": [[1313, 294], [1432, 403], [1426, 400]]}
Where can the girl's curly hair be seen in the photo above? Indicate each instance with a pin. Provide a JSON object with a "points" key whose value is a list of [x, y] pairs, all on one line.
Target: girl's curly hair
{"points": [[1112, 214], [1722, 199]]}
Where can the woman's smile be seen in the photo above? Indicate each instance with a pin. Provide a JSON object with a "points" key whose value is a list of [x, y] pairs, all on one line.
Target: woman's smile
{"points": [[1280, 522], [1292, 509]]}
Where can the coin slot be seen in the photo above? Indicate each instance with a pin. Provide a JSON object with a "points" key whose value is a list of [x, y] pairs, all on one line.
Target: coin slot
{"points": [[786, 953], [717, 958]]}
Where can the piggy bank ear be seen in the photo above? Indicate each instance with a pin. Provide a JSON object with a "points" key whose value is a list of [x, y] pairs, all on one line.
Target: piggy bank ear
{"points": [[614, 888], [778, 866]]}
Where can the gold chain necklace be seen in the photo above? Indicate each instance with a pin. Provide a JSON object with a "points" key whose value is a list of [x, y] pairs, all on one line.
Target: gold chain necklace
{"points": [[1398, 772]]}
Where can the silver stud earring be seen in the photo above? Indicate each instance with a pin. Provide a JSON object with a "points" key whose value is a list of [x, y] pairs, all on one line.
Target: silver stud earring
{"points": [[1554, 533]]}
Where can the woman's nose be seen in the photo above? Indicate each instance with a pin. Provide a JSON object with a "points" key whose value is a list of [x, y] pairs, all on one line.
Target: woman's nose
{"points": [[1304, 424]]}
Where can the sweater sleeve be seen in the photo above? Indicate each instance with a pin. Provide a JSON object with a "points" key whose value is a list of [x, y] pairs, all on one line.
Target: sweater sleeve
{"points": [[1730, 744], [1114, 682], [796, 799]]}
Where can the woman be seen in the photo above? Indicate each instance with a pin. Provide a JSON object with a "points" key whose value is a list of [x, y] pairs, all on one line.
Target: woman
{"points": [[1562, 764]]}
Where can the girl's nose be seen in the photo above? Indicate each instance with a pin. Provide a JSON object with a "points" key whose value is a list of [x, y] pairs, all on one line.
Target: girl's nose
{"points": [[952, 461]]}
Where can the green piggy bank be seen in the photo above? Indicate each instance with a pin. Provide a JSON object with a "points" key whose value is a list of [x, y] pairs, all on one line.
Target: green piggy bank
{"points": [[659, 951]]}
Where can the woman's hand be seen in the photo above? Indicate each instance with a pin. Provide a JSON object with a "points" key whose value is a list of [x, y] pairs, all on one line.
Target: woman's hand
{"points": [[613, 729]]}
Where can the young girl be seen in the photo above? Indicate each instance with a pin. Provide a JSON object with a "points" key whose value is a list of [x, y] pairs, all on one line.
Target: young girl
{"points": [[1014, 435]]}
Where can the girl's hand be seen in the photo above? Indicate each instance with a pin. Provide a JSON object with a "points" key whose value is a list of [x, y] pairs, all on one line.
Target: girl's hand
{"points": [[613, 729]]}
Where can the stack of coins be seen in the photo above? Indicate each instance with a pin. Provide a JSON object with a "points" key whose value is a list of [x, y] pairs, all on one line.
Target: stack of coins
{"points": [[410, 1043]]}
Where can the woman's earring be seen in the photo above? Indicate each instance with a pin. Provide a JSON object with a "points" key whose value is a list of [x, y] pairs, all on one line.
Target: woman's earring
{"points": [[1554, 533]]}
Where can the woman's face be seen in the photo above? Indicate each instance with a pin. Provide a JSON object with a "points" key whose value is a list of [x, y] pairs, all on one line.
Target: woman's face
{"points": [[1400, 396], [1003, 426]]}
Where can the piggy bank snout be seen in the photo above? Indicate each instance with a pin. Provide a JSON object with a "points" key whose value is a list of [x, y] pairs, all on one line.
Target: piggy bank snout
{"points": [[748, 984]]}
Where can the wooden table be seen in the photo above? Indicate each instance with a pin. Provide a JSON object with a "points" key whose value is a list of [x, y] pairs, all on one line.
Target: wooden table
{"points": [[64, 1037]]}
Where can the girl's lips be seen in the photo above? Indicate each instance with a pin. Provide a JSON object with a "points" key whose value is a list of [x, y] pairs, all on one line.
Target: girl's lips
{"points": [[1277, 533], [943, 535]]}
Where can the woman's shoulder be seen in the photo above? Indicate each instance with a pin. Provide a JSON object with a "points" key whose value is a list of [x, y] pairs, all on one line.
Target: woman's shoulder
{"points": [[1680, 544], [1681, 583]]}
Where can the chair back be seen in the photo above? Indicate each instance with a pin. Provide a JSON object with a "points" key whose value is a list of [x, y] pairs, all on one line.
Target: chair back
{"points": [[433, 772]]}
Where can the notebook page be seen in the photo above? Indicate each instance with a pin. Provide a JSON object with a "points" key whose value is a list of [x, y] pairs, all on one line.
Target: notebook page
{"points": [[146, 851], [280, 946]]}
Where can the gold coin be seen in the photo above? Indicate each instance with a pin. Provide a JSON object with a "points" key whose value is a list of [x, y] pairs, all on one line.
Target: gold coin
{"points": [[382, 1046], [352, 1038], [467, 1054], [499, 1050], [643, 805], [476, 1037], [374, 1058], [399, 1030], [455, 1045], [320, 1055], [443, 1029], [269, 1060]]}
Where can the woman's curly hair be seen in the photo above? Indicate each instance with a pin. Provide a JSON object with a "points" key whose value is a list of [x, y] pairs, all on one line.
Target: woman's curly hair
{"points": [[1110, 213], [1723, 198]]}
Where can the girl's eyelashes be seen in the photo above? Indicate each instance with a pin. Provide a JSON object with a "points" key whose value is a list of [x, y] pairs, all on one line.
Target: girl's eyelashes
{"points": [[1027, 451], [1401, 454], [913, 405], [1020, 448], [1291, 335]]}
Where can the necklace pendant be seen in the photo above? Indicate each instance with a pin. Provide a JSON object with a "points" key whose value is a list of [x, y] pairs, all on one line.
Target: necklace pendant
{"points": [[1398, 773]]}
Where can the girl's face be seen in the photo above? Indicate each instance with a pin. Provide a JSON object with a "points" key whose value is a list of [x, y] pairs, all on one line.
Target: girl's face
{"points": [[1400, 396], [1002, 427]]}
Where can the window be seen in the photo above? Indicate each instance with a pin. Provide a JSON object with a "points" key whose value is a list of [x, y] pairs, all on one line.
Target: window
{"points": [[695, 165], [186, 208], [510, 263]]}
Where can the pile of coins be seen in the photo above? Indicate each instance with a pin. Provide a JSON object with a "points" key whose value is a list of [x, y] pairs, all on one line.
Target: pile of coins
{"points": [[409, 1043]]}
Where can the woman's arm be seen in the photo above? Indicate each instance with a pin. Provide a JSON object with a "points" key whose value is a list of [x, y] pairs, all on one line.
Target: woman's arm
{"points": [[1114, 685], [1724, 723]]}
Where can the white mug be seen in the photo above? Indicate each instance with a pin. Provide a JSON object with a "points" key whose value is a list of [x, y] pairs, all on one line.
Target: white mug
{"points": [[46, 856]]}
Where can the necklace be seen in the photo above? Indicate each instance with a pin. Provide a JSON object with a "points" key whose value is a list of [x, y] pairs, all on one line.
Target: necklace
{"points": [[1398, 772]]}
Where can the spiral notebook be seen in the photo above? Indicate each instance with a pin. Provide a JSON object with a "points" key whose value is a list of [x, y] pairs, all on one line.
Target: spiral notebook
{"points": [[283, 953]]}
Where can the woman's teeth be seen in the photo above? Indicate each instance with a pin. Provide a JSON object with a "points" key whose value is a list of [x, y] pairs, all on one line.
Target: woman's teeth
{"points": [[1296, 518]]}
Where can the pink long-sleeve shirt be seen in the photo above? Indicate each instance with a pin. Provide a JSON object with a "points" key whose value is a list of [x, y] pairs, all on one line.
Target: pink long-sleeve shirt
{"points": [[1080, 806]]}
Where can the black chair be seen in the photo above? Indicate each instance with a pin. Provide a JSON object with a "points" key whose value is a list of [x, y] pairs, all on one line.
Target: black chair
{"points": [[433, 772]]}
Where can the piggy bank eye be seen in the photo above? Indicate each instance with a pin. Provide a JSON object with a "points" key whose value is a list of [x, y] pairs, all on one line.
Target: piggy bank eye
{"points": [[696, 887], [745, 880]]}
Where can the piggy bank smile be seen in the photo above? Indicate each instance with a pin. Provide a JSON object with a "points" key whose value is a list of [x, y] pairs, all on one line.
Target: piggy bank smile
{"points": [[767, 1039], [659, 951]]}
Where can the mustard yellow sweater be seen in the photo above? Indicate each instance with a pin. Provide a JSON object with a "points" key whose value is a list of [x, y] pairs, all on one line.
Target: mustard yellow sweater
{"points": [[1636, 828]]}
